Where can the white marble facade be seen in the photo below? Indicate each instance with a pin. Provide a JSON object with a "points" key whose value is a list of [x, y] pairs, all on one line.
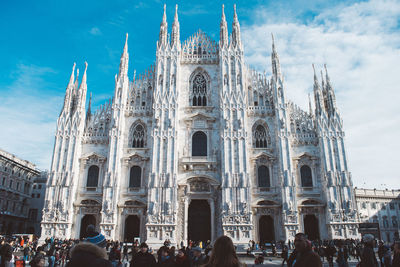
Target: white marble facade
{"points": [[200, 130]]}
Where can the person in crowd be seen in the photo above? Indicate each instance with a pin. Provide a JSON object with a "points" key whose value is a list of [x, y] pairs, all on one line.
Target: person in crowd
{"points": [[330, 252], [381, 252], [197, 259], [165, 259], [172, 252], [143, 258], [86, 254], [342, 255], [396, 254], [181, 259], [6, 254], [94, 237], [368, 258], [125, 253], [305, 257], [223, 254], [115, 255], [37, 261], [259, 260], [387, 257], [285, 254]]}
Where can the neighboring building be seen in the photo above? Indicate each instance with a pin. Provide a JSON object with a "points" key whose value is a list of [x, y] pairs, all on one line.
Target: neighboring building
{"points": [[198, 146], [16, 178], [379, 209], [37, 202]]}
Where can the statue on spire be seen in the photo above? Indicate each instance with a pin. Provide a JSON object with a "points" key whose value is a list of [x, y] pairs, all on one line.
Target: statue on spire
{"points": [[175, 40], [236, 40], [223, 32], [163, 29]]}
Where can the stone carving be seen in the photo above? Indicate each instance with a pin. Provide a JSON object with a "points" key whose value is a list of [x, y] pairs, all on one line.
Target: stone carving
{"points": [[200, 186]]}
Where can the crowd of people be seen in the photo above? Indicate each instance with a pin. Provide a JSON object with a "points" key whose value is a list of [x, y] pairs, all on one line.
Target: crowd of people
{"points": [[95, 250]]}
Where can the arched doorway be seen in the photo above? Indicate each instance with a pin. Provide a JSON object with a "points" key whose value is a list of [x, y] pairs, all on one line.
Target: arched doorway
{"points": [[132, 228], [311, 227], [199, 220], [86, 220], [266, 229]]}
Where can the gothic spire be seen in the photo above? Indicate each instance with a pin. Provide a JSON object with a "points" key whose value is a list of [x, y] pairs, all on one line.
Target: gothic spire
{"points": [[71, 79], [163, 30], [89, 110], [319, 103], [124, 61], [236, 40], [276, 67], [76, 80], [83, 82], [330, 94], [223, 32], [175, 40]]}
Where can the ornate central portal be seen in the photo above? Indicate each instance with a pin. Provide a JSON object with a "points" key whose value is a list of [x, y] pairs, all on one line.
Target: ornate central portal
{"points": [[199, 220]]}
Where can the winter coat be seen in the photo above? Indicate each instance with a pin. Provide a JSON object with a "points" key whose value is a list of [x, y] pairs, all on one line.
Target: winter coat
{"points": [[6, 253], [368, 258], [166, 262], [141, 259], [396, 260], [87, 254], [182, 261], [307, 258]]}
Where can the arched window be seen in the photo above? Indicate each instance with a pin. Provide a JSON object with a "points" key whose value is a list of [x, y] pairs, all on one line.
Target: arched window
{"points": [[263, 176], [260, 137], [135, 177], [93, 176], [199, 144], [364, 205], [138, 136], [199, 90], [306, 176]]}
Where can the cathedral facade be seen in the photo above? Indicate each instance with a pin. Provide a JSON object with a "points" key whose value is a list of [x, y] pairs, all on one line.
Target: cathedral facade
{"points": [[197, 146]]}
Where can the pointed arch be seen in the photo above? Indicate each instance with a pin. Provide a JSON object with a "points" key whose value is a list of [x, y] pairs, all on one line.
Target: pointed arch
{"points": [[137, 135], [261, 136], [199, 88]]}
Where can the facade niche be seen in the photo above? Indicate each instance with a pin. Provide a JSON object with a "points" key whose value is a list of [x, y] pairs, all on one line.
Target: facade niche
{"points": [[135, 177], [93, 176]]}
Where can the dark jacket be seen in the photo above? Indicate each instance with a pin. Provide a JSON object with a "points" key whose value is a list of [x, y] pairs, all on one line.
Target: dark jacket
{"points": [[141, 259], [182, 261], [87, 254], [396, 260], [166, 262], [368, 258], [307, 258], [6, 253], [196, 262]]}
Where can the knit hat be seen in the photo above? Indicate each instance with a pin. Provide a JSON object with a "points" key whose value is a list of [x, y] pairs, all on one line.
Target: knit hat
{"points": [[98, 240]]}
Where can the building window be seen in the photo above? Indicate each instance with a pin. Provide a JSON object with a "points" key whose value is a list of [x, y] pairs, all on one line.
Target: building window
{"points": [[33, 195], [263, 176], [93, 176], [138, 136], [391, 205], [306, 176], [34, 186], [394, 222], [199, 90], [364, 205], [135, 177], [33, 215], [385, 222], [40, 186], [11, 184], [199, 144], [383, 207], [260, 137], [4, 181], [38, 195], [373, 205]]}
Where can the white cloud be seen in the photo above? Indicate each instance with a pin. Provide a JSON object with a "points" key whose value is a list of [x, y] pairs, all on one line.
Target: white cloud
{"points": [[28, 116], [360, 44], [95, 31]]}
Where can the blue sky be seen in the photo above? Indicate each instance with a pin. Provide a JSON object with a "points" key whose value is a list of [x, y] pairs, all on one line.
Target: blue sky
{"points": [[359, 40]]}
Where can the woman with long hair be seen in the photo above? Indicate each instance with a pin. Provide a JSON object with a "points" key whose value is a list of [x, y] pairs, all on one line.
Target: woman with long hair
{"points": [[224, 254]]}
